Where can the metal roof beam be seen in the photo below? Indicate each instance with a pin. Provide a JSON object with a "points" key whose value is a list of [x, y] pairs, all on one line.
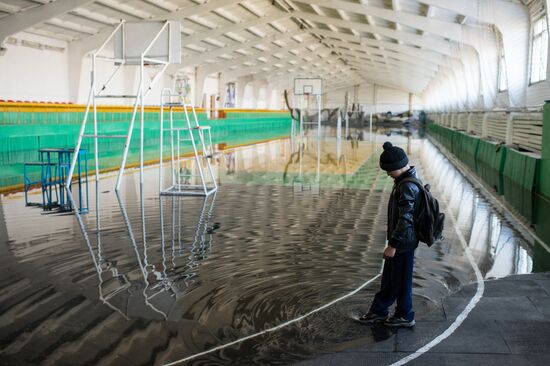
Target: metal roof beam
{"points": [[90, 43], [211, 54], [398, 77], [319, 60], [194, 38], [205, 7], [444, 29], [197, 59], [380, 54], [327, 73], [224, 65], [430, 43], [18, 22], [393, 68], [429, 56], [482, 10], [272, 65], [286, 65]]}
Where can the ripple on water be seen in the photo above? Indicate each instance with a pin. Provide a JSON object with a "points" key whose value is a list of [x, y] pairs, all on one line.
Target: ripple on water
{"points": [[208, 272]]}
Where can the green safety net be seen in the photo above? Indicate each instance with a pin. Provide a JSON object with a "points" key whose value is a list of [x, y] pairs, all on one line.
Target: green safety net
{"points": [[22, 134]]}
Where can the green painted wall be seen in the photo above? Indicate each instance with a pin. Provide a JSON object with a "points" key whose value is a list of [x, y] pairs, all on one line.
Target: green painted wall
{"points": [[490, 159], [544, 184], [519, 181], [542, 201], [540, 255], [509, 172], [23, 133], [523, 178]]}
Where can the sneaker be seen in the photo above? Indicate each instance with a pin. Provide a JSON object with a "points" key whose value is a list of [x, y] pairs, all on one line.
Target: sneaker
{"points": [[399, 322], [371, 317]]}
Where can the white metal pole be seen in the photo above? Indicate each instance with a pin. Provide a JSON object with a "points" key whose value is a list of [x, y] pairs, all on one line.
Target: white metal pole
{"points": [[339, 136], [80, 136], [205, 151], [160, 143], [209, 163], [146, 51], [292, 134], [141, 120], [370, 127], [197, 159], [96, 153], [172, 167], [161, 208], [91, 100], [318, 137], [293, 128], [127, 142], [111, 77], [301, 132], [174, 223], [121, 24], [178, 180], [155, 79]]}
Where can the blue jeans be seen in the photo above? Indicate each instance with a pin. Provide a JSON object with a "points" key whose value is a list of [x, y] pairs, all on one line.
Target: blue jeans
{"points": [[397, 278]]}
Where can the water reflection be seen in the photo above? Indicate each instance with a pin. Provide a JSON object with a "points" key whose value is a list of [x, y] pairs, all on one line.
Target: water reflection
{"points": [[497, 246], [307, 166], [162, 281], [152, 280], [168, 276]]}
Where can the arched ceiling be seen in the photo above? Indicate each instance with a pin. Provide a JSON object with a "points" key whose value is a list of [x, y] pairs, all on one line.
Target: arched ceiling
{"points": [[397, 43]]}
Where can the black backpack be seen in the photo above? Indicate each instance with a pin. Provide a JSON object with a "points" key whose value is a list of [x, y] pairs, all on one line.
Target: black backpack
{"points": [[428, 221]]}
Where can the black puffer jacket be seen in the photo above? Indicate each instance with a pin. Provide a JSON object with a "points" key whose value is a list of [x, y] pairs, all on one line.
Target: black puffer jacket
{"points": [[401, 210]]}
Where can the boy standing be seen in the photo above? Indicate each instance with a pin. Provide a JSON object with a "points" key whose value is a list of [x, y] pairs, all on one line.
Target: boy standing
{"points": [[397, 274]]}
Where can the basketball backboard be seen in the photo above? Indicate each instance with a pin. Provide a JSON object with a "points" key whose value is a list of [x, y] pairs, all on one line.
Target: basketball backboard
{"points": [[134, 38], [308, 86]]}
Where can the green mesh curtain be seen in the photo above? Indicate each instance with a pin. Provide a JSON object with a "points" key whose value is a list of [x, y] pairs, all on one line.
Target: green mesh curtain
{"points": [[23, 133]]}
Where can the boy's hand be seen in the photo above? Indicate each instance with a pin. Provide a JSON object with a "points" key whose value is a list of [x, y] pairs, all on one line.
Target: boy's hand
{"points": [[389, 252]]}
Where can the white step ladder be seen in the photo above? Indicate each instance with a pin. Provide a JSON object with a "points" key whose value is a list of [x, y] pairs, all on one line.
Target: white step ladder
{"points": [[181, 180]]}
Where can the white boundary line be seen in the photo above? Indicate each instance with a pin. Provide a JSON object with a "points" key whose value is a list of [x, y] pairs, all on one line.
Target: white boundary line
{"points": [[365, 284], [277, 326], [463, 315]]}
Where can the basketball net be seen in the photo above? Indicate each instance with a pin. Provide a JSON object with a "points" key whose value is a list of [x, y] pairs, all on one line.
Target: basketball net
{"points": [[183, 87], [152, 71]]}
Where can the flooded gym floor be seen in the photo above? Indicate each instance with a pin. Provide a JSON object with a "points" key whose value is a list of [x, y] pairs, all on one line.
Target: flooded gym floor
{"points": [[258, 273]]}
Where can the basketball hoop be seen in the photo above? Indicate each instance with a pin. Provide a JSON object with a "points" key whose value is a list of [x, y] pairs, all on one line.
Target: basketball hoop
{"points": [[182, 85], [307, 86], [153, 70]]}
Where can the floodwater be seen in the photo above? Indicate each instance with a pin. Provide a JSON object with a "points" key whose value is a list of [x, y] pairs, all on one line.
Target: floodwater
{"points": [[147, 280]]}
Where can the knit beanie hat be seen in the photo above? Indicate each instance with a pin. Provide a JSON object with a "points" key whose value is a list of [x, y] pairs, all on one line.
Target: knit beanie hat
{"points": [[393, 157]]}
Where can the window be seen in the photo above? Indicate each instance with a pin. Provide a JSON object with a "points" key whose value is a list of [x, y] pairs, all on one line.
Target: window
{"points": [[502, 78], [539, 54]]}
